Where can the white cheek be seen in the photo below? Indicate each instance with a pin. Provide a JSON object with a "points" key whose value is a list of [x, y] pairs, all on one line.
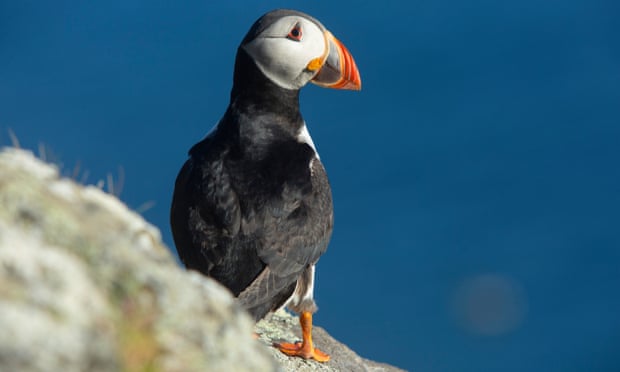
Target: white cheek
{"points": [[285, 61]]}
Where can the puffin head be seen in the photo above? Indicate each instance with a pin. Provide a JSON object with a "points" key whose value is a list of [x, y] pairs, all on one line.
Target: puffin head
{"points": [[292, 48]]}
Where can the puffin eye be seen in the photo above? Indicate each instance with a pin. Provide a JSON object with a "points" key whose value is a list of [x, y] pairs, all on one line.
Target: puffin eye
{"points": [[295, 33]]}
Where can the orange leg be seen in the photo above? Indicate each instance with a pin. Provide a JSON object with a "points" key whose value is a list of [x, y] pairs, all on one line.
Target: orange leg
{"points": [[304, 349]]}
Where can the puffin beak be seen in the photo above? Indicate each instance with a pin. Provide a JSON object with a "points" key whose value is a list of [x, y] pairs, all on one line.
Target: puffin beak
{"points": [[336, 70]]}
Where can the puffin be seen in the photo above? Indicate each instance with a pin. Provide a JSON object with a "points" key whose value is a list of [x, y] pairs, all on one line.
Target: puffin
{"points": [[252, 205]]}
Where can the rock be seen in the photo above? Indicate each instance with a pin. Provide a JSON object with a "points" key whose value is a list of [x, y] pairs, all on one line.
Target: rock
{"points": [[87, 285], [285, 327]]}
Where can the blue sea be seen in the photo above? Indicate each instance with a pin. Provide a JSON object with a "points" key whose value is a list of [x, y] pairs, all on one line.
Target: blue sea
{"points": [[476, 176]]}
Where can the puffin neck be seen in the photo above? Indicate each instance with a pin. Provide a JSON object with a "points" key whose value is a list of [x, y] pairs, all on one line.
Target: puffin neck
{"points": [[253, 92]]}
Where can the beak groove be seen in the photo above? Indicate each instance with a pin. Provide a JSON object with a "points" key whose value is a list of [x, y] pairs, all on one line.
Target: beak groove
{"points": [[339, 70]]}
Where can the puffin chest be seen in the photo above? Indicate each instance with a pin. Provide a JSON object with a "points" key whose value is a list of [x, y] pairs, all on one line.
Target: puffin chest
{"points": [[280, 170]]}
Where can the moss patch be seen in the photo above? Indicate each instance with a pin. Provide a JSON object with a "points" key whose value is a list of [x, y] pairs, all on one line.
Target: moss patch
{"points": [[138, 345]]}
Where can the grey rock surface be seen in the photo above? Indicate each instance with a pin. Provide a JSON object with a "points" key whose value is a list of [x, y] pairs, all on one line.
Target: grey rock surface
{"points": [[87, 285], [282, 327]]}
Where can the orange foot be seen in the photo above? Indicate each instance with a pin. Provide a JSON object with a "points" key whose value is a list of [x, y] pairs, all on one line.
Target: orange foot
{"points": [[304, 349]]}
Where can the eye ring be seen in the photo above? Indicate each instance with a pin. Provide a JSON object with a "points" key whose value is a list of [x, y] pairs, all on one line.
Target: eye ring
{"points": [[295, 33]]}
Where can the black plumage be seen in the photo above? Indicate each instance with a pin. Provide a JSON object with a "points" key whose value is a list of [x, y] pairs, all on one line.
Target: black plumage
{"points": [[252, 206]]}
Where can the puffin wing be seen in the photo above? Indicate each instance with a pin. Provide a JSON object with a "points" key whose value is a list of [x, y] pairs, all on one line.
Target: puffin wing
{"points": [[299, 219], [218, 213], [297, 227], [287, 255], [209, 210]]}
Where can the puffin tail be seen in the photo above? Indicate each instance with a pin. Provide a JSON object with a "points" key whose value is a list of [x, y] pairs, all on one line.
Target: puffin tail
{"points": [[266, 293]]}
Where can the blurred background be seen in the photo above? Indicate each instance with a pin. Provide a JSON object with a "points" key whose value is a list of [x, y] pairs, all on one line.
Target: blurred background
{"points": [[475, 177]]}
